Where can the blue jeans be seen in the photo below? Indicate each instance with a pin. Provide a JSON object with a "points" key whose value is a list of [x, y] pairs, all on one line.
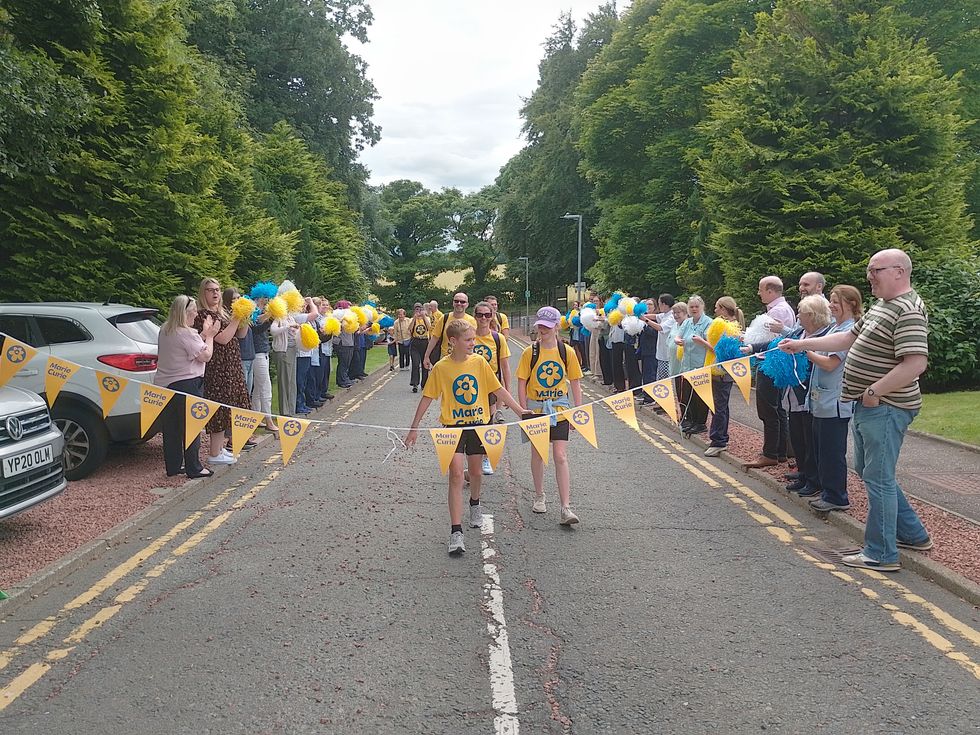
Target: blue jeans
{"points": [[878, 436], [247, 369]]}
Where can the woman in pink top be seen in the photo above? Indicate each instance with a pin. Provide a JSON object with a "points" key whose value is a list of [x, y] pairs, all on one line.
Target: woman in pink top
{"points": [[182, 354]]}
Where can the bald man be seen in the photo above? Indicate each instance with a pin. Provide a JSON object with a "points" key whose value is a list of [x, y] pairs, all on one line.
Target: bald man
{"points": [[812, 284], [887, 352]]}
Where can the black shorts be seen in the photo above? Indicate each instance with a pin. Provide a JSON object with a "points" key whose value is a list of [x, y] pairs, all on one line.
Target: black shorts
{"points": [[557, 433], [469, 442]]}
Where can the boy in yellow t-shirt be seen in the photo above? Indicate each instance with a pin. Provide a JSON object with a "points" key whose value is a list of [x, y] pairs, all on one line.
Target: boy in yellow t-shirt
{"points": [[546, 391], [462, 383]]}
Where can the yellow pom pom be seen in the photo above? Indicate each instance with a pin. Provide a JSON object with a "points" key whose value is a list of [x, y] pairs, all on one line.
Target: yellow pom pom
{"points": [[331, 327], [277, 308], [350, 324], [626, 306], [362, 317], [615, 318], [294, 301], [573, 314], [680, 352], [308, 336], [375, 328], [372, 313], [242, 308]]}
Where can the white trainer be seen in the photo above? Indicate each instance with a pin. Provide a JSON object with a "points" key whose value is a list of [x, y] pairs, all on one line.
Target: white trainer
{"points": [[487, 469], [222, 459], [568, 517], [539, 505]]}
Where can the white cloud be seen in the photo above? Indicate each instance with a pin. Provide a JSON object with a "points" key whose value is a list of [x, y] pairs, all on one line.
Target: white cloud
{"points": [[452, 75]]}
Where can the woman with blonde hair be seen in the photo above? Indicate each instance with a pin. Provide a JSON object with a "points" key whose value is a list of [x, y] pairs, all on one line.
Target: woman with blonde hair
{"points": [[691, 336], [224, 381], [729, 320], [182, 354]]}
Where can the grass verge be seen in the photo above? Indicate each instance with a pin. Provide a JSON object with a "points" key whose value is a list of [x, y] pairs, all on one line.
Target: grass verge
{"points": [[951, 415]]}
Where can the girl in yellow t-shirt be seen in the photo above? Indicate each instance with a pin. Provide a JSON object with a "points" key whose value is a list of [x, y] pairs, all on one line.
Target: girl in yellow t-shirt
{"points": [[547, 391], [462, 382]]}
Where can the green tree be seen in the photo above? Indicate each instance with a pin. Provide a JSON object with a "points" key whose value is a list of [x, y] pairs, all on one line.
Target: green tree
{"points": [[298, 190], [542, 182], [471, 222]]}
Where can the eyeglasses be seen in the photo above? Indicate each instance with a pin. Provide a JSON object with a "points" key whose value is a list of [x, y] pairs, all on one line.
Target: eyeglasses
{"points": [[213, 289], [458, 301], [876, 271], [483, 315]]}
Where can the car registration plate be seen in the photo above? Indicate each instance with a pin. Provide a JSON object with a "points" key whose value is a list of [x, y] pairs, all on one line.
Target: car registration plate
{"points": [[27, 461]]}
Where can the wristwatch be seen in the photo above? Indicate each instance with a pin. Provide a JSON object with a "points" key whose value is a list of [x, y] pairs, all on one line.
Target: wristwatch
{"points": [[871, 391]]}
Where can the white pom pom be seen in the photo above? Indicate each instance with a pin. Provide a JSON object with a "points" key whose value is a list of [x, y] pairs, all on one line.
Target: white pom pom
{"points": [[339, 314], [588, 317], [626, 305], [757, 331], [632, 325], [286, 285]]}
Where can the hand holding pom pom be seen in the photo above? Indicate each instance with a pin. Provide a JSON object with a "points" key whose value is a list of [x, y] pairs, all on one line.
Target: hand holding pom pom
{"points": [[242, 308], [277, 308], [308, 337]]}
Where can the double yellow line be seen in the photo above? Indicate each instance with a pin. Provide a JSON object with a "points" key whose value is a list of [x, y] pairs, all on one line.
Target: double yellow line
{"points": [[14, 688]]}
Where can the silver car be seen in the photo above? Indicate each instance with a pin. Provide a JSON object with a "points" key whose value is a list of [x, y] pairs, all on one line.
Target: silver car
{"points": [[113, 338], [31, 447]]}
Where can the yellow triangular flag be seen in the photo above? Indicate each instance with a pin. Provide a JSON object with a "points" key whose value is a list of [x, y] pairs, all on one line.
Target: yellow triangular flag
{"points": [[492, 438], [57, 373], [582, 420], [445, 440], [197, 412], [701, 380], [110, 388], [14, 357], [622, 406], [152, 401], [290, 433], [243, 425], [739, 370], [539, 432], [663, 393]]}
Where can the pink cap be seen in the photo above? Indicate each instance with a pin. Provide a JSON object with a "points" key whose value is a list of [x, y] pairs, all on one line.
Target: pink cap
{"points": [[548, 316]]}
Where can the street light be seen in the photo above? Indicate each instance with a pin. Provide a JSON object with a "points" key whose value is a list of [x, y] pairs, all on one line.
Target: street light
{"points": [[578, 282], [527, 293]]}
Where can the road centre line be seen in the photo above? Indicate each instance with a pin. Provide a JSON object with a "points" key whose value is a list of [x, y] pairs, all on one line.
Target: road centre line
{"points": [[505, 721]]}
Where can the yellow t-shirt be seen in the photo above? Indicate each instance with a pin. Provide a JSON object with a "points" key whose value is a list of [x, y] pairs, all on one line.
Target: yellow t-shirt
{"points": [[487, 348], [437, 330], [503, 320], [550, 379], [462, 389], [417, 328]]}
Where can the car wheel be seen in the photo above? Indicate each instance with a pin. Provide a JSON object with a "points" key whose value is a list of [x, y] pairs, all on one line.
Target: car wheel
{"points": [[86, 441]]}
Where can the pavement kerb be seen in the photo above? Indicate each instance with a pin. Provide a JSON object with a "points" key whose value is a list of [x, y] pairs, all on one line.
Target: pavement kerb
{"points": [[944, 440], [58, 570], [920, 564]]}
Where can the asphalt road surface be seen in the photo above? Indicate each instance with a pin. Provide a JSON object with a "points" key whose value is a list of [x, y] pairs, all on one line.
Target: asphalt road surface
{"points": [[319, 598]]}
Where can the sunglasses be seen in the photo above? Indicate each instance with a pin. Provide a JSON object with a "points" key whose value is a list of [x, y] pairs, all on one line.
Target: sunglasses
{"points": [[457, 301], [483, 315]]}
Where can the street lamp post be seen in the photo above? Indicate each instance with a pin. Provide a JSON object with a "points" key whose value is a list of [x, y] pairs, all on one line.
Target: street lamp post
{"points": [[527, 293], [578, 282]]}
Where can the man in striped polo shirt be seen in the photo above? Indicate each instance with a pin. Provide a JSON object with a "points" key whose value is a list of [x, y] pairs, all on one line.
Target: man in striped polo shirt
{"points": [[887, 352]]}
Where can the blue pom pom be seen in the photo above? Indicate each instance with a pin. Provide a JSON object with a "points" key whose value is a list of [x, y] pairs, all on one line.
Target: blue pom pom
{"points": [[616, 297], [610, 306], [585, 333], [369, 303], [728, 348], [641, 308], [588, 305], [785, 370], [386, 321], [264, 290], [576, 321]]}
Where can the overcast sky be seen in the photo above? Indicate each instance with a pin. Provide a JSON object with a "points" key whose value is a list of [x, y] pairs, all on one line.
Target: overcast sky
{"points": [[451, 75]]}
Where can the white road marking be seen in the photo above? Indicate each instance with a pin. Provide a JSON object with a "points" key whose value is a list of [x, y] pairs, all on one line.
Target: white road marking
{"points": [[505, 720]]}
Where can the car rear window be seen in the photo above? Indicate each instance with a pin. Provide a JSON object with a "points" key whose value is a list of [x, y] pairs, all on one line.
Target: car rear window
{"points": [[60, 331], [141, 326], [17, 327]]}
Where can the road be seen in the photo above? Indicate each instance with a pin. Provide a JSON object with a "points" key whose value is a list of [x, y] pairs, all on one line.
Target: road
{"points": [[318, 598]]}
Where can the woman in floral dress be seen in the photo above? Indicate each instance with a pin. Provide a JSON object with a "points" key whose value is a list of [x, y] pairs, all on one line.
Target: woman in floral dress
{"points": [[224, 379]]}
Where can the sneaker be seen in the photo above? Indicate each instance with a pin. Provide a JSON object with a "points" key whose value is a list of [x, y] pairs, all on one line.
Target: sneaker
{"points": [[487, 469], [415, 389], [918, 546], [809, 492], [222, 459], [568, 517], [713, 451], [226, 452], [539, 505], [476, 516], [456, 545], [866, 562], [824, 507], [798, 485]]}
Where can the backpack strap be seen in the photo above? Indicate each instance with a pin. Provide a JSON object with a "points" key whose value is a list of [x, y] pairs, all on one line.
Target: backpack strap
{"points": [[496, 341], [536, 354]]}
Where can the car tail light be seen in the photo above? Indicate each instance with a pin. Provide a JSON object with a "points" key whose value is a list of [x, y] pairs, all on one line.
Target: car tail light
{"points": [[134, 362]]}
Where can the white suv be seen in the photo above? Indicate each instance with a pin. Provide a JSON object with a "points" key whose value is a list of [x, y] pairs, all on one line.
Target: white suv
{"points": [[31, 469], [113, 338]]}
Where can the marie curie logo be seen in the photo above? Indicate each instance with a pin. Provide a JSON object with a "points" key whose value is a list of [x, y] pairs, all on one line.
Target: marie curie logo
{"points": [[200, 410], [110, 384], [292, 428], [483, 351], [550, 374], [739, 370], [581, 417], [466, 389], [16, 354], [661, 391], [492, 437]]}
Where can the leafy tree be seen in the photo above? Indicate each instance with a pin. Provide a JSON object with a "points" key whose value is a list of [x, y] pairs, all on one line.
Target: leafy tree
{"points": [[471, 228], [542, 182], [298, 190]]}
